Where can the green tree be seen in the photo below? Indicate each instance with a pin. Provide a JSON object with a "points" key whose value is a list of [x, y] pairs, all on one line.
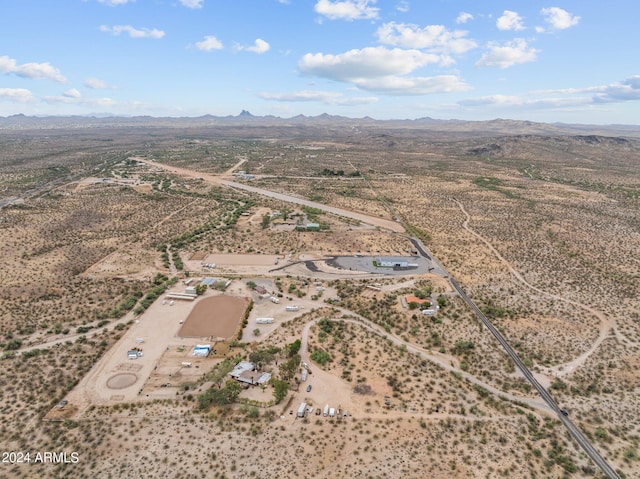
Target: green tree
{"points": [[289, 368], [442, 301], [230, 391], [320, 356], [263, 357], [294, 348], [221, 371], [13, 345], [280, 389], [266, 219]]}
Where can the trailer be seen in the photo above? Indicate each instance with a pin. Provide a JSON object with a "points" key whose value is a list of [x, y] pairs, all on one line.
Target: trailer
{"points": [[264, 320], [304, 374], [302, 409], [186, 364], [292, 308], [325, 412], [332, 412]]}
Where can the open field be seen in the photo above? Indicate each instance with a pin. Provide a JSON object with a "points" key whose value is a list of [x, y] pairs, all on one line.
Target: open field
{"points": [[214, 317], [541, 230]]}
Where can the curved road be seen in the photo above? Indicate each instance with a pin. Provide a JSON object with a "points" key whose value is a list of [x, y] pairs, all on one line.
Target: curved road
{"points": [[606, 324], [444, 363], [591, 451]]}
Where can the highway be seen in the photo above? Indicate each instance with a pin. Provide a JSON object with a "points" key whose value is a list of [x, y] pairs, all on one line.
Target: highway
{"points": [[577, 435]]}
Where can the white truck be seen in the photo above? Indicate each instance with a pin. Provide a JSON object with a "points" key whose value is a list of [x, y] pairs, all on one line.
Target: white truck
{"points": [[325, 412], [275, 300], [302, 409], [332, 412]]}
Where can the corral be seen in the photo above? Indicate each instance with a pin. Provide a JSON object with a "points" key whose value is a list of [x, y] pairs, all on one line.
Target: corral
{"points": [[217, 316]]}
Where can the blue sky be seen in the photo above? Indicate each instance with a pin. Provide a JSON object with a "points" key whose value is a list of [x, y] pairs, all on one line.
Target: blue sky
{"points": [[563, 60]]}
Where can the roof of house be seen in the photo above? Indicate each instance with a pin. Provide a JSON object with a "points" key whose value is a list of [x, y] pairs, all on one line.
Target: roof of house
{"points": [[242, 367]]}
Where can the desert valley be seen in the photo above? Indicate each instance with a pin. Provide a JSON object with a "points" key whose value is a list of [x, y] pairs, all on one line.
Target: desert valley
{"points": [[309, 298]]}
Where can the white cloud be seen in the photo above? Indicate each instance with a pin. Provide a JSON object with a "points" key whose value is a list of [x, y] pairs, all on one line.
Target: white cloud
{"points": [[97, 84], [133, 32], [326, 97], [260, 46], [192, 3], [397, 85], [434, 37], [382, 70], [510, 21], [558, 18], [87, 102], [347, 9], [72, 93], [209, 43], [464, 17], [36, 71], [370, 62], [21, 95], [511, 101], [403, 6], [626, 90], [113, 3], [511, 53]]}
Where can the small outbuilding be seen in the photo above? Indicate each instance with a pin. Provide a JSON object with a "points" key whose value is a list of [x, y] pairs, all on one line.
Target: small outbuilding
{"points": [[202, 350]]}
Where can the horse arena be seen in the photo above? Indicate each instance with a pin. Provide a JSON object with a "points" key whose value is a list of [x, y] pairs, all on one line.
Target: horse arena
{"points": [[217, 316]]}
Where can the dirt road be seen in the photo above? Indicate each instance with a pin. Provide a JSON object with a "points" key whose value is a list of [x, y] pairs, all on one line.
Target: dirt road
{"points": [[606, 324], [372, 220]]}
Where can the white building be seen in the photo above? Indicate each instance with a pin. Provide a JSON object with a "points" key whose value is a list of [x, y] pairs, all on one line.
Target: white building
{"points": [[202, 350], [392, 262]]}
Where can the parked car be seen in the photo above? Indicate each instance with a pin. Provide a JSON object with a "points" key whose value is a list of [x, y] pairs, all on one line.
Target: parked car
{"points": [[309, 388]]}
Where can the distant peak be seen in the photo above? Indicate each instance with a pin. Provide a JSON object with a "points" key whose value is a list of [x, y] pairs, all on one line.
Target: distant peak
{"points": [[245, 113]]}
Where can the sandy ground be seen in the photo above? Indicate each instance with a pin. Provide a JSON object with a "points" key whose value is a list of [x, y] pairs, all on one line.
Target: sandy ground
{"points": [[216, 316], [243, 259], [381, 222], [245, 264], [158, 327]]}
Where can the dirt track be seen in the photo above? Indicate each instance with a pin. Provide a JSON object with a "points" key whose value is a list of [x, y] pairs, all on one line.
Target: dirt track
{"points": [[372, 220], [217, 316]]}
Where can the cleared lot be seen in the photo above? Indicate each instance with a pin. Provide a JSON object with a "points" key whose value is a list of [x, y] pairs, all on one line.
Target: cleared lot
{"points": [[217, 317]]}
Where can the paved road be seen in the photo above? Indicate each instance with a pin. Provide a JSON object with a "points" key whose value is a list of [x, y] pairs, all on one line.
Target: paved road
{"points": [[588, 448], [371, 220], [606, 324], [442, 361]]}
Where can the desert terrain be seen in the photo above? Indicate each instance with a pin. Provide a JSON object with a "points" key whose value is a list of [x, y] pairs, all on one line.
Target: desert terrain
{"points": [[106, 227]]}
